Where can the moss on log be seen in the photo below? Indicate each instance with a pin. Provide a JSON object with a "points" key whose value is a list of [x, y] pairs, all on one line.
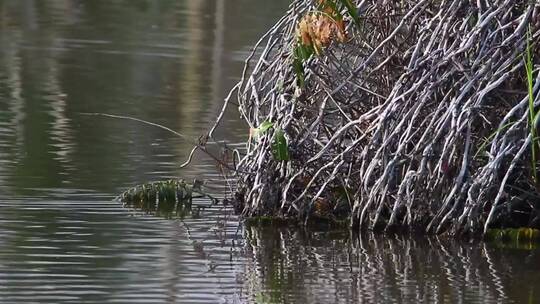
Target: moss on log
{"points": [[171, 198]]}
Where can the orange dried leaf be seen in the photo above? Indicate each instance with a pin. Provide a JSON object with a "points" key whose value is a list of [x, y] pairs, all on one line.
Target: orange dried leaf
{"points": [[319, 30]]}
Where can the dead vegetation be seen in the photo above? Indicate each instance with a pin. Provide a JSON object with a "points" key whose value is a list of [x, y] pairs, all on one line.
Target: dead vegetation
{"points": [[409, 114]]}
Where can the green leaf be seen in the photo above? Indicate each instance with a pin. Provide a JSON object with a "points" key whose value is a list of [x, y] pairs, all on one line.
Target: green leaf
{"points": [[351, 9], [265, 125], [486, 141], [305, 52], [280, 148], [529, 67], [301, 54], [298, 65], [535, 119], [299, 71]]}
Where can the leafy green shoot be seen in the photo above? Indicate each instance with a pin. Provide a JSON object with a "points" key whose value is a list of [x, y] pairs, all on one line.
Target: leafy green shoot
{"points": [[529, 67], [486, 141], [301, 54], [258, 132], [280, 148], [351, 9]]}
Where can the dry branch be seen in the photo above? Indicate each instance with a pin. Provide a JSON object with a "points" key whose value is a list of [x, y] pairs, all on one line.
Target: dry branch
{"points": [[419, 119]]}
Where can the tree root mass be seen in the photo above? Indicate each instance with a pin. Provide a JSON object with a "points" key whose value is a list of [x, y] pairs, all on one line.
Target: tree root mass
{"points": [[419, 119]]}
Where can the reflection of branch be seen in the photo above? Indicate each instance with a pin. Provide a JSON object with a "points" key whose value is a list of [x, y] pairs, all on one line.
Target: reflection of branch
{"points": [[205, 195], [186, 227], [198, 248], [398, 267], [496, 277]]}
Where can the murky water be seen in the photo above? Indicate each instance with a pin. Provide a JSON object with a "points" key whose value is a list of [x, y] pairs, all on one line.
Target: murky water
{"points": [[62, 239]]}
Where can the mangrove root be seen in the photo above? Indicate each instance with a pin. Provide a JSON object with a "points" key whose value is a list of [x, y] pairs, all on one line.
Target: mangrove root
{"points": [[419, 117]]}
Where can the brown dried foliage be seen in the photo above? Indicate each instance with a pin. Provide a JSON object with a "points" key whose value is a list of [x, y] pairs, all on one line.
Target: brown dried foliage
{"points": [[318, 30]]}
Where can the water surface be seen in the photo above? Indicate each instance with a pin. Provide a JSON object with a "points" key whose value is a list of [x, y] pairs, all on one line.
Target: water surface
{"points": [[62, 239]]}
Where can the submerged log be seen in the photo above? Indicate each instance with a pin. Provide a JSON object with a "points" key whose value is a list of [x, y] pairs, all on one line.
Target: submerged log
{"points": [[171, 198]]}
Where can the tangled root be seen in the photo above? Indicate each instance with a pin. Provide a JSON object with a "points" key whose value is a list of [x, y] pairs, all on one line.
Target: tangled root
{"points": [[419, 119]]}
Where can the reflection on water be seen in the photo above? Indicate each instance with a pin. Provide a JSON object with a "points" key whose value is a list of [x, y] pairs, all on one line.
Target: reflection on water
{"points": [[62, 239], [165, 61], [85, 250], [332, 267]]}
